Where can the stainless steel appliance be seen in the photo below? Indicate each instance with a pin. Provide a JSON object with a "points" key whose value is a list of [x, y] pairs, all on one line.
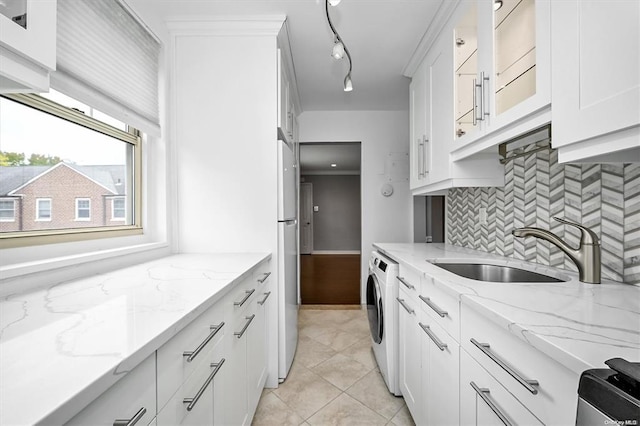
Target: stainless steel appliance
{"points": [[610, 396]]}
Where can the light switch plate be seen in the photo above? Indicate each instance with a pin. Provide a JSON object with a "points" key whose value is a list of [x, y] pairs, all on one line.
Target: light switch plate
{"points": [[316, 208]]}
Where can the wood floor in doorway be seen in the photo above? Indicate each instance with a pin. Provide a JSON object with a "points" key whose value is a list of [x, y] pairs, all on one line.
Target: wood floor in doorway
{"points": [[330, 279]]}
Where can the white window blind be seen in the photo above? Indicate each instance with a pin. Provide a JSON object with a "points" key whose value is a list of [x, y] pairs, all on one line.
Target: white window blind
{"points": [[107, 59]]}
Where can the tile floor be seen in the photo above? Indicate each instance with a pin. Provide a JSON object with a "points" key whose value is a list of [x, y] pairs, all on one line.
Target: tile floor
{"points": [[334, 379]]}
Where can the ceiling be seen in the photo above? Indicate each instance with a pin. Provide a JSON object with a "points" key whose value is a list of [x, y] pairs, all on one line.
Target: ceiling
{"points": [[381, 36], [316, 158]]}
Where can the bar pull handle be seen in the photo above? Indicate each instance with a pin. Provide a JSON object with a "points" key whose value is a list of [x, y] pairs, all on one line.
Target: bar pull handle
{"points": [[266, 275], [239, 334], [484, 100], [191, 355], [475, 102], [484, 394], [425, 152], [406, 284], [247, 295], [266, 296], [433, 306], [528, 384], [438, 342], [133, 420], [193, 401], [404, 305], [420, 157]]}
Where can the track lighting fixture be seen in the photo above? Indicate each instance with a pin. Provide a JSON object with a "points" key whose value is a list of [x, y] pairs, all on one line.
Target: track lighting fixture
{"points": [[339, 48]]}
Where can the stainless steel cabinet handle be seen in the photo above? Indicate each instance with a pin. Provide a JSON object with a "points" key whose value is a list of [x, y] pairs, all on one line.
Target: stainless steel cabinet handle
{"points": [[406, 284], [266, 296], [133, 420], [485, 104], [193, 401], [266, 275], [239, 334], [434, 306], [404, 305], [438, 342], [475, 102], [528, 384], [425, 153], [191, 355], [247, 295], [484, 394], [420, 157]]}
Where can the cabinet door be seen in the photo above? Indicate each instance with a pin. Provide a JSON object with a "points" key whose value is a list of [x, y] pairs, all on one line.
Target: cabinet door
{"points": [[257, 349], [483, 400], [596, 69], [419, 167], [235, 397], [131, 398], [466, 72], [440, 380], [284, 102], [410, 360]]}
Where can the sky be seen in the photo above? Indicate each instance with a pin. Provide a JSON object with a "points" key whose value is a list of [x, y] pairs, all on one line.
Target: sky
{"points": [[25, 130]]}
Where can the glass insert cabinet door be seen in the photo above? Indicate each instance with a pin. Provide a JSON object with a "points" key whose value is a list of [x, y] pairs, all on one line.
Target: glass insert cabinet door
{"points": [[495, 61]]}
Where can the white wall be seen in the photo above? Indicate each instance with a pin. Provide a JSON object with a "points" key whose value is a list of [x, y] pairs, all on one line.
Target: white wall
{"points": [[384, 219]]}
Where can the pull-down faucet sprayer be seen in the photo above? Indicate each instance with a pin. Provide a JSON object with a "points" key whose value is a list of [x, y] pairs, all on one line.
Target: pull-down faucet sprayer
{"points": [[586, 257]]}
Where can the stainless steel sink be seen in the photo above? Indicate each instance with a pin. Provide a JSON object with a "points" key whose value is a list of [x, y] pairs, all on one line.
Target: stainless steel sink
{"points": [[496, 273]]}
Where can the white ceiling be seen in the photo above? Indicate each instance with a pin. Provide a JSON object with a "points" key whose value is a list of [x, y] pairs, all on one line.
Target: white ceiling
{"points": [[381, 36], [316, 158]]}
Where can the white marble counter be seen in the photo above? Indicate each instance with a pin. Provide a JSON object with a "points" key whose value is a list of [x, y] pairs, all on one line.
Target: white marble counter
{"points": [[579, 325], [62, 346]]}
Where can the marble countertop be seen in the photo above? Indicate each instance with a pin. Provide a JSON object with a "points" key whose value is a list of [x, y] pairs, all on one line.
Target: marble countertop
{"points": [[62, 346], [579, 325]]}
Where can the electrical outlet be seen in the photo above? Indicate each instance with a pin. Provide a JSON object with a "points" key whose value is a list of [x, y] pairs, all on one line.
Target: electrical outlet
{"points": [[483, 216]]}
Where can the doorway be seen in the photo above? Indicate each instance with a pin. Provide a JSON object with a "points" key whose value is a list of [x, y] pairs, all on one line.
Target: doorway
{"points": [[330, 218]]}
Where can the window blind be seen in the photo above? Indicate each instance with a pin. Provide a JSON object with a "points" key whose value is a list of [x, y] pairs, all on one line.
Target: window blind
{"points": [[107, 59]]}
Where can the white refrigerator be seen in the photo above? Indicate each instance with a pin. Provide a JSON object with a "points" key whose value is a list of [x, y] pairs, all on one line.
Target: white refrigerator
{"points": [[287, 260]]}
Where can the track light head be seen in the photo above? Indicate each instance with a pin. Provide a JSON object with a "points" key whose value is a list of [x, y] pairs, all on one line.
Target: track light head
{"points": [[497, 4], [348, 85], [338, 50], [334, 2]]}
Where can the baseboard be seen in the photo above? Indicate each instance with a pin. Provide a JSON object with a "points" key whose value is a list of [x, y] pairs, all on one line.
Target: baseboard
{"points": [[336, 252]]}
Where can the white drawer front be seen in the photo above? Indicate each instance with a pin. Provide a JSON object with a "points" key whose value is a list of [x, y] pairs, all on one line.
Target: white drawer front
{"points": [[193, 403], [483, 401], [441, 306], [514, 363], [181, 355], [133, 398], [409, 280]]}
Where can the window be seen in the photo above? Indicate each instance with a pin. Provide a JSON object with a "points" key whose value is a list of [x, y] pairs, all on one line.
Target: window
{"points": [[83, 209], [7, 210], [43, 209], [55, 150], [118, 209]]}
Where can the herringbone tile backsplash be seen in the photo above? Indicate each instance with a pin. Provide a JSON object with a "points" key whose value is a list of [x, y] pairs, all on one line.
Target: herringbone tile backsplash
{"points": [[603, 197]]}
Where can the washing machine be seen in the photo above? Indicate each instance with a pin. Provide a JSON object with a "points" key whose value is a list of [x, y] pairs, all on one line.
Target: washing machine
{"points": [[382, 310]]}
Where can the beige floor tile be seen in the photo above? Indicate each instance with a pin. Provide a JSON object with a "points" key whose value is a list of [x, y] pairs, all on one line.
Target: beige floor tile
{"points": [[355, 325], [314, 329], [338, 339], [305, 392], [311, 353], [402, 418], [362, 352], [372, 391], [341, 371], [344, 410], [272, 411]]}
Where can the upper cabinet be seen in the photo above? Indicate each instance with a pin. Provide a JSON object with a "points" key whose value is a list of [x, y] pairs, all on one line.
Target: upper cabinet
{"points": [[288, 102], [27, 45], [501, 71], [596, 80]]}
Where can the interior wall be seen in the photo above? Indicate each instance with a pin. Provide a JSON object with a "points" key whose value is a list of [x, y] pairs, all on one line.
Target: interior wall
{"points": [[336, 224], [602, 197], [384, 137]]}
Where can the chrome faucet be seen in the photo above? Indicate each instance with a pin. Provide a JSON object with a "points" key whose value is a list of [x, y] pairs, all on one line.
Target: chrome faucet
{"points": [[586, 257]]}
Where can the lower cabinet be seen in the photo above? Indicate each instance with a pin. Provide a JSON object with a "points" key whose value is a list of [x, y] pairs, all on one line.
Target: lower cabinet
{"points": [[484, 401], [132, 400], [409, 359]]}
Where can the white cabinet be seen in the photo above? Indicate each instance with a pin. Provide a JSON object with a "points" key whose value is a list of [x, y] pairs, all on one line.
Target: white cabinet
{"points": [[596, 80], [27, 53], [257, 344], [287, 90], [132, 400], [483, 401], [432, 141], [502, 72], [409, 361]]}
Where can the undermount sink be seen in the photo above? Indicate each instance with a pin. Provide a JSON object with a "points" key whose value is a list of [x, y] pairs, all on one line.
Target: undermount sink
{"points": [[496, 273]]}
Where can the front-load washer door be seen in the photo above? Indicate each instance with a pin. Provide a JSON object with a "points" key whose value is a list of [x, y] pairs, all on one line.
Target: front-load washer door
{"points": [[374, 308]]}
